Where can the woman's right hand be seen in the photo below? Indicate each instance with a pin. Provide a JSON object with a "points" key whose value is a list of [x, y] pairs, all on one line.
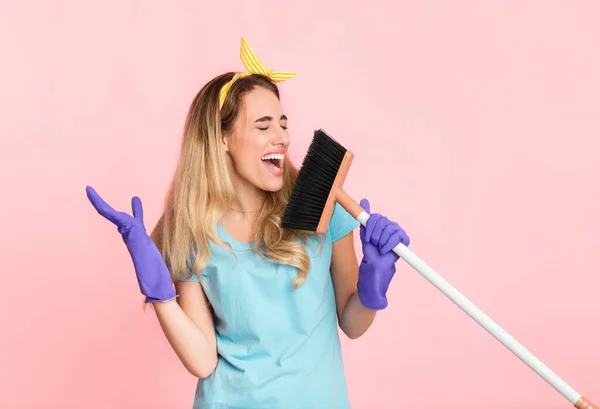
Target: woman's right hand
{"points": [[152, 274]]}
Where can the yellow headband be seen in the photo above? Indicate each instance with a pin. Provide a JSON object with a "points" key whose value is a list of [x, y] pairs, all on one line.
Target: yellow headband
{"points": [[253, 66]]}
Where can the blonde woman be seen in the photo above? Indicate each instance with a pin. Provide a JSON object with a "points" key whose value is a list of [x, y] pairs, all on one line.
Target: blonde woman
{"points": [[255, 309]]}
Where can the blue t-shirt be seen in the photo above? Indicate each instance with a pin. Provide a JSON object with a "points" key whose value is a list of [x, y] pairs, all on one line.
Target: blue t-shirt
{"points": [[278, 346]]}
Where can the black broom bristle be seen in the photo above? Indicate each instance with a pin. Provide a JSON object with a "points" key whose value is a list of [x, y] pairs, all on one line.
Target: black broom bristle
{"points": [[313, 185]]}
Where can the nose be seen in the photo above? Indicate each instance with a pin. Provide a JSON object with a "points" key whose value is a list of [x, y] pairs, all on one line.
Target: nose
{"points": [[281, 138]]}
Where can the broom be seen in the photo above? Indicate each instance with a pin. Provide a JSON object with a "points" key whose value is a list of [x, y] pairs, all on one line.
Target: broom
{"points": [[319, 187]]}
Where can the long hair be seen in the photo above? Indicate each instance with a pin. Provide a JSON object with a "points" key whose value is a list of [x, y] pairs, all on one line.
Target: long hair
{"points": [[201, 190]]}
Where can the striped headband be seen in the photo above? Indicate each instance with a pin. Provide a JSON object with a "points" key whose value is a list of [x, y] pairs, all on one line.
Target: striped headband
{"points": [[253, 66]]}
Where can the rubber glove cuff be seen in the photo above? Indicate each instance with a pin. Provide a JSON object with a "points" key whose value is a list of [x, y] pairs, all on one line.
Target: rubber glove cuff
{"points": [[373, 283]]}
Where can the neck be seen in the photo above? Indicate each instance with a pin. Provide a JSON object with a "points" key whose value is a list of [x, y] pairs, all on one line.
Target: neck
{"points": [[247, 203], [248, 198]]}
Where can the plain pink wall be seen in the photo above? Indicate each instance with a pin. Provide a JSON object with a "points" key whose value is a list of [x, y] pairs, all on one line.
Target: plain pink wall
{"points": [[475, 125]]}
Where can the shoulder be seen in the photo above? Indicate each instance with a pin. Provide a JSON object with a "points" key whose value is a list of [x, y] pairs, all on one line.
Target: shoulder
{"points": [[341, 223], [211, 256]]}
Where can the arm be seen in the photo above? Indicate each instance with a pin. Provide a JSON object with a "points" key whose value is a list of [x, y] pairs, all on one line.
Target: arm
{"points": [[361, 289], [188, 326], [354, 319]]}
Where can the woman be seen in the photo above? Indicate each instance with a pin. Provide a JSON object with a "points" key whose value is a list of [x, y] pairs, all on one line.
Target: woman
{"points": [[255, 309]]}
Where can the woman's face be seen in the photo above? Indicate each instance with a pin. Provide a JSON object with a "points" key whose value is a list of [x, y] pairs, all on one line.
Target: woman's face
{"points": [[259, 141]]}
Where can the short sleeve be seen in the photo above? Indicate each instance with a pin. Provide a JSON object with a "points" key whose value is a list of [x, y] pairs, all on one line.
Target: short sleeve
{"points": [[193, 277], [341, 223]]}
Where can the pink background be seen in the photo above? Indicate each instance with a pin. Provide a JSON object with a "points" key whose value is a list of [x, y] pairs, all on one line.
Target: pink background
{"points": [[475, 125]]}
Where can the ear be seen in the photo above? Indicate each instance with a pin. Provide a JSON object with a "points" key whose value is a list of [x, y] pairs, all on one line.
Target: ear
{"points": [[226, 140]]}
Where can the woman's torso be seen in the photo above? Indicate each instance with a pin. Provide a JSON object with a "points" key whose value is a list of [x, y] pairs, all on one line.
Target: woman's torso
{"points": [[278, 346]]}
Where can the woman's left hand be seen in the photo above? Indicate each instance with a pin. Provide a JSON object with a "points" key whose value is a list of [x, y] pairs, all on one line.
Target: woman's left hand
{"points": [[378, 265]]}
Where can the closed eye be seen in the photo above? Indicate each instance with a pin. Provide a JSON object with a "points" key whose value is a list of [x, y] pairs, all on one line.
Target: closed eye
{"points": [[269, 119], [264, 129]]}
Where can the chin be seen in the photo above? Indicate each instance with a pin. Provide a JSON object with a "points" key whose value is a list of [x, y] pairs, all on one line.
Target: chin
{"points": [[267, 181], [274, 186]]}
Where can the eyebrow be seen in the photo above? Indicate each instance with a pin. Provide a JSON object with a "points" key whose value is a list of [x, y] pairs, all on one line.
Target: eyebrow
{"points": [[270, 118]]}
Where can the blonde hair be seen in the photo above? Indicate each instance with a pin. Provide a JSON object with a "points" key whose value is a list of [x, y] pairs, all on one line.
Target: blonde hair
{"points": [[201, 190]]}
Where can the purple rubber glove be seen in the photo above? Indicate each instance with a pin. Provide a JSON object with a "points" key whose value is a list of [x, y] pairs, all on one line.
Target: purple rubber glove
{"points": [[150, 268], [378, 265]]}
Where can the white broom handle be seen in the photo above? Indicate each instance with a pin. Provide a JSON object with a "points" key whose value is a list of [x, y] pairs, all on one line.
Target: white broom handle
{"points": [[486, 322]]}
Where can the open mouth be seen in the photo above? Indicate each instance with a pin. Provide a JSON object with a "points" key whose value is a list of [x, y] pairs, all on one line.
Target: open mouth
{"points": [[273, 162]]}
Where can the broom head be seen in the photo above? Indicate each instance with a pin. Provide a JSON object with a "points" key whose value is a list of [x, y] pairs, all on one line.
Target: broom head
{"points": [[319, 181]]}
